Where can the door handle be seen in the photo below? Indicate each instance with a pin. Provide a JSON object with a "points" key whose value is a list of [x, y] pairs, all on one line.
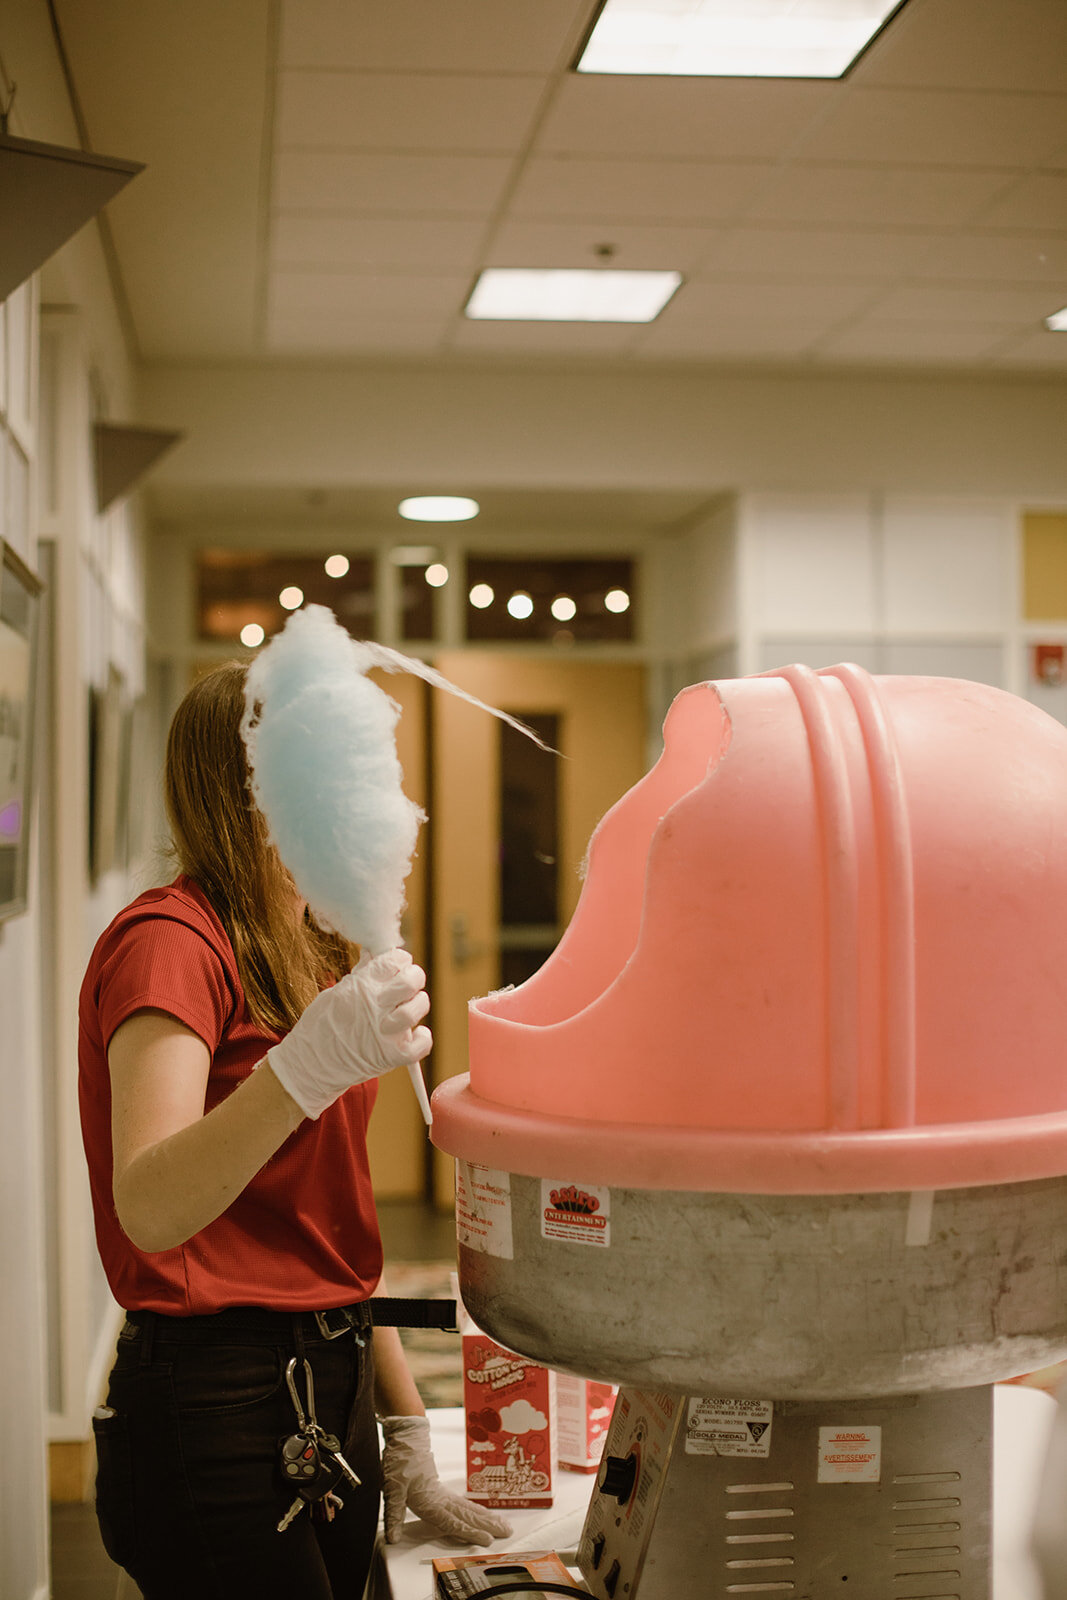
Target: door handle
{"points": [[464, 949]]}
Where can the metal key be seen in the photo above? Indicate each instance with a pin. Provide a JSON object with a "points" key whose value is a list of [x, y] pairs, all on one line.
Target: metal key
{"points": [[296, 1507], [304, 1462], [332, 1447], [309, 1425]]}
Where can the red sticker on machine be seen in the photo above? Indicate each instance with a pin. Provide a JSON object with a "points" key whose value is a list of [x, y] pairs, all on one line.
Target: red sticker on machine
{"points": [[579, 1213]]}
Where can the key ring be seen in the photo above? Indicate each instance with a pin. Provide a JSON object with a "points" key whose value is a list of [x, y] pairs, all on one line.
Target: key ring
{"points": [[301, 1416]]}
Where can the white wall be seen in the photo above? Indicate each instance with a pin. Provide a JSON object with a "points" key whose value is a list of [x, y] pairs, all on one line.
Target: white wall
{"points": [[96, 611], [56, 1318], [23, 1542], [897, 583], [712, 432]]}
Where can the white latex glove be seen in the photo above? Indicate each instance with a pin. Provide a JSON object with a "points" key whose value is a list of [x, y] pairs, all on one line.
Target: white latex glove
{"points": [[410, 1481], [365, 1025]]}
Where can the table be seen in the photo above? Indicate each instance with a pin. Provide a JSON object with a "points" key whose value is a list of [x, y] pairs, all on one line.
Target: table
{"points": [[1022, 1421], [402, 1571]]}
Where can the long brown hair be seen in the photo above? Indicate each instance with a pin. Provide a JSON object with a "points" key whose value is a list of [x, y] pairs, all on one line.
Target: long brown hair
{"points": [[220, 840]]}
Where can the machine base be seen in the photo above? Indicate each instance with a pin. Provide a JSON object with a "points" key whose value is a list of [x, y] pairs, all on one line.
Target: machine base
{"points": [[857, 1499]]}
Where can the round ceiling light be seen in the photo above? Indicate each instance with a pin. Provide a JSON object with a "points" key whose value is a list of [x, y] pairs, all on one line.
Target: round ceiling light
{"points": [[438, 508]]}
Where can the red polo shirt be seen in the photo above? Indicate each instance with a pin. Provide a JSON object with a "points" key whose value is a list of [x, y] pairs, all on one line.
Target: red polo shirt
{"points": [[303, 1234]]}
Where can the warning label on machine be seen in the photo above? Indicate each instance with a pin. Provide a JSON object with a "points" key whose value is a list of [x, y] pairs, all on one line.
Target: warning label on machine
{"points": [[483, 1210], [577, 1213], [719, 1427], [850, 1454]]}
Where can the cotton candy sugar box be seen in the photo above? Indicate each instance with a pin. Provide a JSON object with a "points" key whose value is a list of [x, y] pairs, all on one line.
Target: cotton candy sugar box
{"points": [[509, 1404]]}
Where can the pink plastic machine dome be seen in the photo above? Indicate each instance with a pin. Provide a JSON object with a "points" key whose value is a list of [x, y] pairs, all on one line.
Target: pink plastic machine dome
{"points": [[819, 948]]}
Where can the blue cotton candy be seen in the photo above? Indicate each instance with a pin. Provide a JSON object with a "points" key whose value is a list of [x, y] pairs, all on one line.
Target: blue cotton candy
{"points": [[321, 742]]}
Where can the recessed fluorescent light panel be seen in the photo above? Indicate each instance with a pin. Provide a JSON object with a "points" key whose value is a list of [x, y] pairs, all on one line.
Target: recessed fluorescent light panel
{"points": [[526, 294], [734, 38], [438, 508], [1058, 321]]}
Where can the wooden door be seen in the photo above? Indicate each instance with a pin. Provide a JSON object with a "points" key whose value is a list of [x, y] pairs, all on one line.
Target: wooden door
{"points": [[597, 713]]}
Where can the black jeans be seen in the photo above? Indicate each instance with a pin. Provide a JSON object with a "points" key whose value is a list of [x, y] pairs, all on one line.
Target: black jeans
{"points": [[188, 1489]]}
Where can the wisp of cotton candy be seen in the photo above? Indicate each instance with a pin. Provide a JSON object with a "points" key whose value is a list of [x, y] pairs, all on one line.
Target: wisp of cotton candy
{"points": [[321, 742]]}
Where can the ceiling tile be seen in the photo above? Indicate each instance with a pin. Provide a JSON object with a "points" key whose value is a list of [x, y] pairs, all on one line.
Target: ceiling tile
{"points": [[874, 196], [962, 44], [185, 90], [391, 184], [914, 342], [341, 294], [574, 244], [900, 126], [409, 35], [448, 243], [755, 339], [541, 338], [723, 119], [939, 303], [819, 253], [347, 337], [716, 301], [1038, 201], [404, 111], [1037, 350], [679, 191], [1003, 257]]}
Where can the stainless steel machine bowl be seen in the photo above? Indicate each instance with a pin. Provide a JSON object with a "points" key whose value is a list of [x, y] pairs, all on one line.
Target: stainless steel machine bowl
{"points": [[793, 1296]]}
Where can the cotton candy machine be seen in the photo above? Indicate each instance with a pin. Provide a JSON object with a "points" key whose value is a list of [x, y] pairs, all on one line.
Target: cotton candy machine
{"points": [[777, 1137]]}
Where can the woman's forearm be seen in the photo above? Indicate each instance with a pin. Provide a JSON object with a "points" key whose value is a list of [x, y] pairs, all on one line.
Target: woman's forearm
{"points": [[172, 1189], [395, 1394]]}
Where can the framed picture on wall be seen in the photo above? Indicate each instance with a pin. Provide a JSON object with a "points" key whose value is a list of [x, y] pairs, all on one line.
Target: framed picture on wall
{"points": [[107, 803], [19, 596]]}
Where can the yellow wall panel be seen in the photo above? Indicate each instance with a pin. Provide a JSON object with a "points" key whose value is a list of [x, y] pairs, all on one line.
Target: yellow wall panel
{"points": [[1044, 566]]}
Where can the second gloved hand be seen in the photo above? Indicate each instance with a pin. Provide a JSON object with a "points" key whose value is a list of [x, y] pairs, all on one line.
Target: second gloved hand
{"points": [[410, 1482], [365, 1025]]}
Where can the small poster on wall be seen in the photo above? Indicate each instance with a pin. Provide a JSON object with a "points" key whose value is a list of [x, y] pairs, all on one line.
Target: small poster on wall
{"points": [[19, 593]]}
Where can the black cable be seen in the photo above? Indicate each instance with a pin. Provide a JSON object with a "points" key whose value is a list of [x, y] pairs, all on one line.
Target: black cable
{"points": [[533, 1586]]}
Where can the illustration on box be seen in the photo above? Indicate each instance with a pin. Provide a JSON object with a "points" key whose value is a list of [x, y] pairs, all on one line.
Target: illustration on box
{"points": [[509, 1436]]}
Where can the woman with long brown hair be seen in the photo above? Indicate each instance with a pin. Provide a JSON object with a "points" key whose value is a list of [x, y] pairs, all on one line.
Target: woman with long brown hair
{"points": [[229, 1049]]}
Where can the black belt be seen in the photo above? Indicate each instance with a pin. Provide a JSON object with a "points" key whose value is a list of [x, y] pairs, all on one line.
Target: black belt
{"points": [[258, 1323], [389, 1312]]}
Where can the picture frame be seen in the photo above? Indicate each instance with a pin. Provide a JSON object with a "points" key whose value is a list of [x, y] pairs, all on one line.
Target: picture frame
{"points": [[20, 592], [108, 776]]}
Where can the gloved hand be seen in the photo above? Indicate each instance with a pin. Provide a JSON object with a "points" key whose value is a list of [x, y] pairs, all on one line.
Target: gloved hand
{"points": [[365, 1025], [411, 1482]]}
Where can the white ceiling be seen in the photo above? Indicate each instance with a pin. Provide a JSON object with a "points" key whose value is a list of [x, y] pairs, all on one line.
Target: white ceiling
{"points": [[326, 178]]}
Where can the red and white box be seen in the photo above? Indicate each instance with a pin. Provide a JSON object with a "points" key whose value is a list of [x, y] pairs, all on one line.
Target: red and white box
{"points": [[583, 1412], [508, 1401]]}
